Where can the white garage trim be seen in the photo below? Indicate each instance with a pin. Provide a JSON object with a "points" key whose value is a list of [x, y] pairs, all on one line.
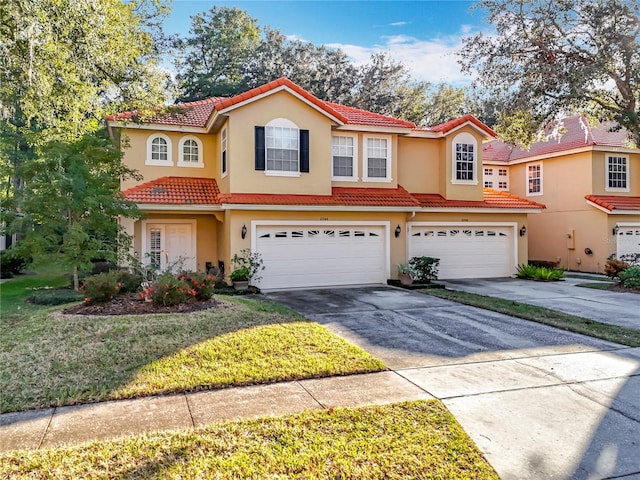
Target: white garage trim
{"points": [[511, 226], [383, 230]]}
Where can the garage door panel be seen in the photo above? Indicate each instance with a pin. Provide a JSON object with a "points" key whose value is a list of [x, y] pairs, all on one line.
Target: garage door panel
{"points": [[466, 251], [628, 240], [321, 255]]}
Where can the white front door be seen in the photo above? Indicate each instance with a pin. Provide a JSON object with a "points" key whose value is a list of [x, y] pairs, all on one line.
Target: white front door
{"points": [[628, 240], [321, 255], [465, 250], [171, 245]]}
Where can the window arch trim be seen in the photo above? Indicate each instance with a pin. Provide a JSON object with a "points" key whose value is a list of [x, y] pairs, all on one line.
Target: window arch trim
{"points": [[151, 149], [464, 163], [181, 161]]}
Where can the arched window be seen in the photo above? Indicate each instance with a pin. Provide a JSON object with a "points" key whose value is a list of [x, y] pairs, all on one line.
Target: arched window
{"points": [[190, 149], [464, 168], [282, 146], [159, 150]]}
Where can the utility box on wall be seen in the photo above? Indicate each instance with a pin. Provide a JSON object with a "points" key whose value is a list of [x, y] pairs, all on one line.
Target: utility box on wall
{"points": [[571, 239]]}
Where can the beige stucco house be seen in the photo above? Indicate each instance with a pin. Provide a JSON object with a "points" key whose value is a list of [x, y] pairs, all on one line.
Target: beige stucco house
{"points": [[327, 194], [589, 179]]}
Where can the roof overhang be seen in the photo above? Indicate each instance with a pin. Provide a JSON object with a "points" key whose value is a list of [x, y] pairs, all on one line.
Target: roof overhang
{"points": [[373, 129], [155, 126], [168, 207], [615, 211]]}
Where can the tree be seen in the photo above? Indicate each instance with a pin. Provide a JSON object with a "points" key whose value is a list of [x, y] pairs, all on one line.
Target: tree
{"points": [[71, 201], [444, 103], [221, 42], [550, 58]]}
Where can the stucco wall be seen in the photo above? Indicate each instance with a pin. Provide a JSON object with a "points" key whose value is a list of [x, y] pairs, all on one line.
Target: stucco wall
{"points": [[419, 164]]}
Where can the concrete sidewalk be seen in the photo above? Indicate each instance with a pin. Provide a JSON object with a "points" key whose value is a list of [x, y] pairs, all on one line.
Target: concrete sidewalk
{"points": [[571, 415]]}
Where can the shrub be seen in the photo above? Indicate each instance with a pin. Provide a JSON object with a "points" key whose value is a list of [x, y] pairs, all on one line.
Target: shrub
{"points": [[12, 262], [102, 266], [614, 267], [425, 268], [101, 288], [54, 296], [202, 283], [534, 272], [168, 290], [129, 282], [630, 278], [246, 266]]}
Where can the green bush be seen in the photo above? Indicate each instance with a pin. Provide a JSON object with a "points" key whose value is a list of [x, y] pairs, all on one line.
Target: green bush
{"points": [[129, 282], [101, 288], [54, 296], [425, 268], [168, 290], [202, 283], [12, 262], [534, 272], [630, 278]]}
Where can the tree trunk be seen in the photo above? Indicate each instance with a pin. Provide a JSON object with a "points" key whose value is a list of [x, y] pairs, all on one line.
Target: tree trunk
{"points": [[76, 282]]}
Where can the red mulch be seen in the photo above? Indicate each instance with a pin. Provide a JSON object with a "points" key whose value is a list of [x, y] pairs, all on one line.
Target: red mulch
{"points": [[132, 304]]}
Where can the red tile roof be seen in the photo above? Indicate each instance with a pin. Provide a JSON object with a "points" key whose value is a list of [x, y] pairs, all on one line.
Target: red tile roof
{"points": [[615, 202], [567, 134], [364, 197], [196, 114], [204, 191], [491, 199], [192, 114], [175, 191], [456, 122]]}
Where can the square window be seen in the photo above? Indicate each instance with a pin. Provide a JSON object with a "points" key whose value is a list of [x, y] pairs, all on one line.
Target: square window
{"points": [[534, 179], [617, 173], [343, 152]]}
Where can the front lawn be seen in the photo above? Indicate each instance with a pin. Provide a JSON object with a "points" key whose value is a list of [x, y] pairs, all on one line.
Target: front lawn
{"points": [[51, 359], [406, 440], [565, 321]]}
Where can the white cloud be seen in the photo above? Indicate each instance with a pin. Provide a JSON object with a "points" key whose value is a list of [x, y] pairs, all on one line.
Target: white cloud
{"points": [[432, 60], [398, 24]]}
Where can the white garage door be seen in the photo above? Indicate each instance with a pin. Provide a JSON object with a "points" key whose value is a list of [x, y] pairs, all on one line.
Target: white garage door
{"points": [[321, 255], [466, 251], [628, 241]]}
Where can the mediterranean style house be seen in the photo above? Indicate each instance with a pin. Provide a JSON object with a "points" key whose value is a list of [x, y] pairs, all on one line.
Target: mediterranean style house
{"points": [[588, 177], [327, 194]]}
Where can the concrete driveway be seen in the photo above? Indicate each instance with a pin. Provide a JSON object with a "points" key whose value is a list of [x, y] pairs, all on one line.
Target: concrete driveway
{"points": [[617, 308], [539, 402]]}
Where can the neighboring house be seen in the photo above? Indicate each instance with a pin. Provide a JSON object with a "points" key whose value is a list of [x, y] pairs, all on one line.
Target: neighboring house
{"points": [[589, 179], [327, 194]]}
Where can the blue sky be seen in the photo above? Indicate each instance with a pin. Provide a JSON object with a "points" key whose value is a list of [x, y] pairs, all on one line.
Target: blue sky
{"points": [[422, 34]]}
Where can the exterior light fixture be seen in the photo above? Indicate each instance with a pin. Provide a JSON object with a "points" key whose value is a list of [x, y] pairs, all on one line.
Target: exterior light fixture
{"points": [[243, 232], [398, 230], [523, 231], [615, 230]]}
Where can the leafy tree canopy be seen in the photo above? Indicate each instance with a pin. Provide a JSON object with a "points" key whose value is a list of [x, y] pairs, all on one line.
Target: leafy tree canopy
{"points": [[550, 58]]}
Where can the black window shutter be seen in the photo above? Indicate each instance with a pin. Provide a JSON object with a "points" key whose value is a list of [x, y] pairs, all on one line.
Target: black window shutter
{"points": [[260, 151], [304, 151]]}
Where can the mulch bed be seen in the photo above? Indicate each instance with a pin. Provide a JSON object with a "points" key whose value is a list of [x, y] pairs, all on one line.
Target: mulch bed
{"points": [[132, 304]]}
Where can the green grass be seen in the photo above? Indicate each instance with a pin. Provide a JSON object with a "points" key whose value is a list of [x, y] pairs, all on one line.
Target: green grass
{"points": [[565, 321], [596, 285], [50, 359], [593, 278], [14, 292], [406, 440]]}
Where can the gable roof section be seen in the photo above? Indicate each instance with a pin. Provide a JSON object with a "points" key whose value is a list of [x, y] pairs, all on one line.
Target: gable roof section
{"points": [[567, 134], [615, 202], [355, 116], [191, 114], [491, 199], [175, 191], [451, 125]]}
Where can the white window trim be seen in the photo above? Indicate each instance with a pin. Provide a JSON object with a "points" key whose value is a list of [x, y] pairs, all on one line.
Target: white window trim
{"points": [[365, 159], [284, 123], [159, 163], [467, 138], [181, 162], [526, 180], [224, 147], [354, 177], [607, 188]]}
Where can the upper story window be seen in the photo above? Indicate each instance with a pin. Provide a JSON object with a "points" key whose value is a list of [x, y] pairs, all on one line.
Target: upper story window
{"points": [[377, 159], [465, 159], [617, 174], [502, 172], [190, 149], [488, 172], [534, 179], [223, 151], [344, 154], [496, 178], [159, 150], [281, 148]]}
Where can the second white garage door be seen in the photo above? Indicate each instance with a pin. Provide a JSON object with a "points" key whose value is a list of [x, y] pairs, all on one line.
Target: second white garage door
{"points": [[628, 241], [321, 255], [466, 251]]}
